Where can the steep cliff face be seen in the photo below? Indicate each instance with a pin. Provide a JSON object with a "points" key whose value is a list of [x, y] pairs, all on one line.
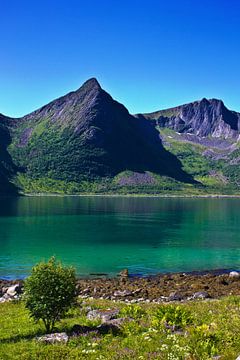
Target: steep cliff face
{"points": [[201, 118], [86, 135]]}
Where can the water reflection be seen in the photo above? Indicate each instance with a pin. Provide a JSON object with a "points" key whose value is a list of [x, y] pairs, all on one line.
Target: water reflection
{"points": [[105, 234]]}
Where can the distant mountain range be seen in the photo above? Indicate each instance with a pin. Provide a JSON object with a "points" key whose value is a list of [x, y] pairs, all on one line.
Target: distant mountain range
{"points": [[87, 142]]}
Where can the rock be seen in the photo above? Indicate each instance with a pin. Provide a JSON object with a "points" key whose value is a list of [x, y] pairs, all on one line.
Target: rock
{"points": [[117, 322], [14, 290], [86, 291], [53, 338], [5, 298], [137, 291], [88, 308], [223, 282], [103, 315], [124, 273], [218, 120], [175, 297], [123, 293], [234, 274], [4, 290], [201, 295]]}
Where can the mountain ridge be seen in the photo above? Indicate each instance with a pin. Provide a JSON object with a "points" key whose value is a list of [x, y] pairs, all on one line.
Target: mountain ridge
{"points": [[86, 135], [202, 117]]}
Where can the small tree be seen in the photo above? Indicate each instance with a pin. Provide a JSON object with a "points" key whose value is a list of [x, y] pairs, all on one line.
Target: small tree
{"points": [[50, 291]]}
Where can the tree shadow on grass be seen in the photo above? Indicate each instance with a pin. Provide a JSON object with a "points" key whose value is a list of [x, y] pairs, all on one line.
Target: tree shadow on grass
{"points": [[19, 337], [75, 331]]}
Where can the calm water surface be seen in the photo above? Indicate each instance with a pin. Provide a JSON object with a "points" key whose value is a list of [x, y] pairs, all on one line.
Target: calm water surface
{"points": [[107, 234]]}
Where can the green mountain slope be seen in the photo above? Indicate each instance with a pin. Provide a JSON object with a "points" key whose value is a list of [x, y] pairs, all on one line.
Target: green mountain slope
{"points": [[87, 142], [86, 136], [7, 168]]}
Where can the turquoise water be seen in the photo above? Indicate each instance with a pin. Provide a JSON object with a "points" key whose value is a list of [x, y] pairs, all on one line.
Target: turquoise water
{"points": [[107, 234]]}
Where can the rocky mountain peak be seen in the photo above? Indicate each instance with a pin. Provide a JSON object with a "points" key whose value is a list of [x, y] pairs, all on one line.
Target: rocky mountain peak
{"points": [[90, 87], [207, 117], [91, 83]]}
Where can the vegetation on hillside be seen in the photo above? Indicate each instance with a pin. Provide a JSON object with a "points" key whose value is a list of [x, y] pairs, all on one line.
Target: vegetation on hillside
{"points": [[85, 142]]}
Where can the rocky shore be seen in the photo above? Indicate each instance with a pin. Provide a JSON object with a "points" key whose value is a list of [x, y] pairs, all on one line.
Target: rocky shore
{"points": [[158, 288]]}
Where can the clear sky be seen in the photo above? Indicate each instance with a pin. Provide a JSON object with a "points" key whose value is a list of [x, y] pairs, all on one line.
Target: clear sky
{"points": [[149, 54]]}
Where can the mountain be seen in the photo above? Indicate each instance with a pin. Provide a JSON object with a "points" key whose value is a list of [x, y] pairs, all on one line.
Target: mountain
{"points": [[86, 141], [201, 118], [86, 136], [7, 168], [204, 135]]}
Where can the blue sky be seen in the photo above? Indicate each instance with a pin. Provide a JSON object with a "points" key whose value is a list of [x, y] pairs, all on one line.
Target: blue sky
{"points": [[148, 54]]}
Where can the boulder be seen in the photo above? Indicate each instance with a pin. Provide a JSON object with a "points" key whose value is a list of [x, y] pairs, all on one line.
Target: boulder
{"points": [[14, 290], [5, 298], [234, 274], [53, 338], [124, 273], [103, 315], [174, 296], [201, 295]]}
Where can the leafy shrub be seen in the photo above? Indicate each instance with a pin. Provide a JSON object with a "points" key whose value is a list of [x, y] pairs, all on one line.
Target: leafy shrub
{"points": [[50, 291], [132, 311], [173, 316], [205, 341], [130, 328]]}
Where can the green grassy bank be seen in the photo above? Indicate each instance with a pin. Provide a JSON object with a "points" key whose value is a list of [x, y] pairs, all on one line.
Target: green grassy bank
{"points": [[194, 330]]}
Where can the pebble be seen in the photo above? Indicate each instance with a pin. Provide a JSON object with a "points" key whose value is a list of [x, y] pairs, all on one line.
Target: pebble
{"points": [[122, 293]]}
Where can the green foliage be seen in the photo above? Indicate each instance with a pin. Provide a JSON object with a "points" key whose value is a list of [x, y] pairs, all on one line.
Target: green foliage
{"points": [[205, 340], [50, 291], [214, 331], [132, 311], [172, 315], [191, 157], [47, 185]]}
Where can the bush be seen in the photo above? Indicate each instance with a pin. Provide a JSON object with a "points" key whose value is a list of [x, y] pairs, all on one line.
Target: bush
{"points": [[132, 311], [50, 291], [172, 315]]}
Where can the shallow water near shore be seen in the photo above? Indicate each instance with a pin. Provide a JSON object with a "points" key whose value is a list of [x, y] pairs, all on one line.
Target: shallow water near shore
{"points": [[107, 234]]}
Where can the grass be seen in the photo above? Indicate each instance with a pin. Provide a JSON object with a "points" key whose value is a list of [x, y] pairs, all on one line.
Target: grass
{"points": [[204, 329]]}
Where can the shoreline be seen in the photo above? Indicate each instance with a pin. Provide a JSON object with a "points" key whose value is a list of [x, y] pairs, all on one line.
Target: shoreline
{"points": [[165, 287], [187, 196], [102, 275]]}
